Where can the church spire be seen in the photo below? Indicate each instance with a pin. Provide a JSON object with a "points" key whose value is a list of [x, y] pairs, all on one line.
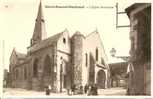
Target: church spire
{"points": [[39, 30]]}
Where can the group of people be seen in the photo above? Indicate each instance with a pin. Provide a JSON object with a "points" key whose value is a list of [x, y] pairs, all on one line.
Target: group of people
{"points": [[87, 89]]}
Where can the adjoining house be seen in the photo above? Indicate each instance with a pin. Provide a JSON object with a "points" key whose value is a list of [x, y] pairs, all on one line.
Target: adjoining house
{"points": [[140, 35]]}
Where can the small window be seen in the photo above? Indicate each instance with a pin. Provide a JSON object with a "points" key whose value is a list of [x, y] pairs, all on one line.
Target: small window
{"points": [[64, 40], [16, 74], [35, 68], [96, 54], [102, 61], [25, 73], [86, 59]]}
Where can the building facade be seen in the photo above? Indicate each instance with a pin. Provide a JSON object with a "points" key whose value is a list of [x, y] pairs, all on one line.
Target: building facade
{"points": [[60, 60], [140, 35]]}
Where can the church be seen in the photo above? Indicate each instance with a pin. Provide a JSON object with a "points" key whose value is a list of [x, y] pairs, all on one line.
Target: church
{"points": [[59, 61]]}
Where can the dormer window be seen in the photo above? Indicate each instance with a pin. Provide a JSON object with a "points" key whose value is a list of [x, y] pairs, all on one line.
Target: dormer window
{"points": [[64, 40]]}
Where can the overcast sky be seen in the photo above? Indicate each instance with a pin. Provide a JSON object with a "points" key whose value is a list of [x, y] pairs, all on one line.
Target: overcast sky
{"points": [[17, 20]]}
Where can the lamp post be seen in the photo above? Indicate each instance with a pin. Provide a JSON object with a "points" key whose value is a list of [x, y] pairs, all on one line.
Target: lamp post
{"points": [[113, 54], [130, 68]]}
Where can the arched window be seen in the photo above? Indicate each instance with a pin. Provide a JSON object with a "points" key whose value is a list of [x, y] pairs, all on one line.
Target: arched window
{"points": [[47, 66], [102, 61], [16, 74], [86, 55], [64, 40], [25, 73], [35, 68], [96, 54]]}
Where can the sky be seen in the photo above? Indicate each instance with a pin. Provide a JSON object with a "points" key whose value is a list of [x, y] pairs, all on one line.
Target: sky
{"points": [[17, 20]]}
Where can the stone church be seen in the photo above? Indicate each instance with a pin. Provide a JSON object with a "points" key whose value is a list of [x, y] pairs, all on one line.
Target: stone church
{"points": [[59, 60]]}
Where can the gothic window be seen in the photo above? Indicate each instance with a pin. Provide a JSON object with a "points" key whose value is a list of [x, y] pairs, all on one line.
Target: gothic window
{"points": [[47, 66], [16, 74], [64, 40], [35, 68], [96, 54], [86, 55], [25, 73], [102, 61]]}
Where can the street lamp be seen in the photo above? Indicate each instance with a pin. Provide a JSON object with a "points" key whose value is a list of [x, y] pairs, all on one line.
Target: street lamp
{"points": [[113, 52]]}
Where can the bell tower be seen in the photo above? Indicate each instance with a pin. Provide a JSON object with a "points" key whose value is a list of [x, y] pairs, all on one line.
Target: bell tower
{"points": [[39, 29]]}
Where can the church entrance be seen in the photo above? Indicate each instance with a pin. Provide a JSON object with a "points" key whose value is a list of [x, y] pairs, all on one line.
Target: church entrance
{"points": [[48, 73], [101, 78]]}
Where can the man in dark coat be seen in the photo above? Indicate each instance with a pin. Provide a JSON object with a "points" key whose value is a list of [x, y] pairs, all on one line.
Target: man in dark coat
{"points": [[86, 88]]}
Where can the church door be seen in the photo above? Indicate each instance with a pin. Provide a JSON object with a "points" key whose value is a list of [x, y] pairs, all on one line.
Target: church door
{"points": [[101, 78]]}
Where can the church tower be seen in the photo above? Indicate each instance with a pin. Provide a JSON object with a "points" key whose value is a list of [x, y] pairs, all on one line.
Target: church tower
{"points": [[39, 30]]}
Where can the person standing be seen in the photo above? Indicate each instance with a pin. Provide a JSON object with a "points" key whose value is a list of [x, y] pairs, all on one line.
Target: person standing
{"points": [[47, 90], [73, 88], [86, 87]]}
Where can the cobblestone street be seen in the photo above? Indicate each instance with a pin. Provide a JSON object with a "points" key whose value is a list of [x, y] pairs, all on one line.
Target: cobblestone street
{"points": [[22, 92]]}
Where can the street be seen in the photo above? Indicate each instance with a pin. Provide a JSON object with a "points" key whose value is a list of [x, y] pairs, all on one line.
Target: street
{"points": [[118, 91]]}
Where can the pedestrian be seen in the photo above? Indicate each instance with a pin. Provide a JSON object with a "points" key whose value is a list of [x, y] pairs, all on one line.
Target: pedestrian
{"points": [[81, 89], [73, 87], [86, 88], [68, 89], [89, 92], [49, 87], [47, 90], [95, 89]]}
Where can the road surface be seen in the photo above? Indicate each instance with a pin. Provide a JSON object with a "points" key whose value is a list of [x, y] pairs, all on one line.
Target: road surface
{"points": [[22, 92]]}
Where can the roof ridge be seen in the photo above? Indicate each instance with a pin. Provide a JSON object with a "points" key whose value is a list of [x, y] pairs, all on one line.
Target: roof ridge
{"points": [[95, 31]]}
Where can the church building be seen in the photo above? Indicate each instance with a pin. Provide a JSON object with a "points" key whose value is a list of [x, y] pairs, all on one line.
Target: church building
{"points": [[60, 60]]}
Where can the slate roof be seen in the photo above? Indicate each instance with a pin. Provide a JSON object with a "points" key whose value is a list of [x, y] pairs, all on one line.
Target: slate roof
{"points": [[46, 42], [21, 55]]}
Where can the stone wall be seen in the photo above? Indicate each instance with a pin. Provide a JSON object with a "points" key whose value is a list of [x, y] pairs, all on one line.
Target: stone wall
{"points": [[140, 35], [77, 57]]}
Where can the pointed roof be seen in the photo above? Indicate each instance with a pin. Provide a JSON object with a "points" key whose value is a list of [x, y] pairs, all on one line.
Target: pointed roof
{"points": [[92, 33], [19, 57], [97, 33], [39, 29], [40, 12]]}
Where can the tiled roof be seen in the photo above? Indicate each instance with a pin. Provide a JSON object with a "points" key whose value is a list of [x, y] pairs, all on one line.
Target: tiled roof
{"points": [[21, 55], [45, 43]]}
